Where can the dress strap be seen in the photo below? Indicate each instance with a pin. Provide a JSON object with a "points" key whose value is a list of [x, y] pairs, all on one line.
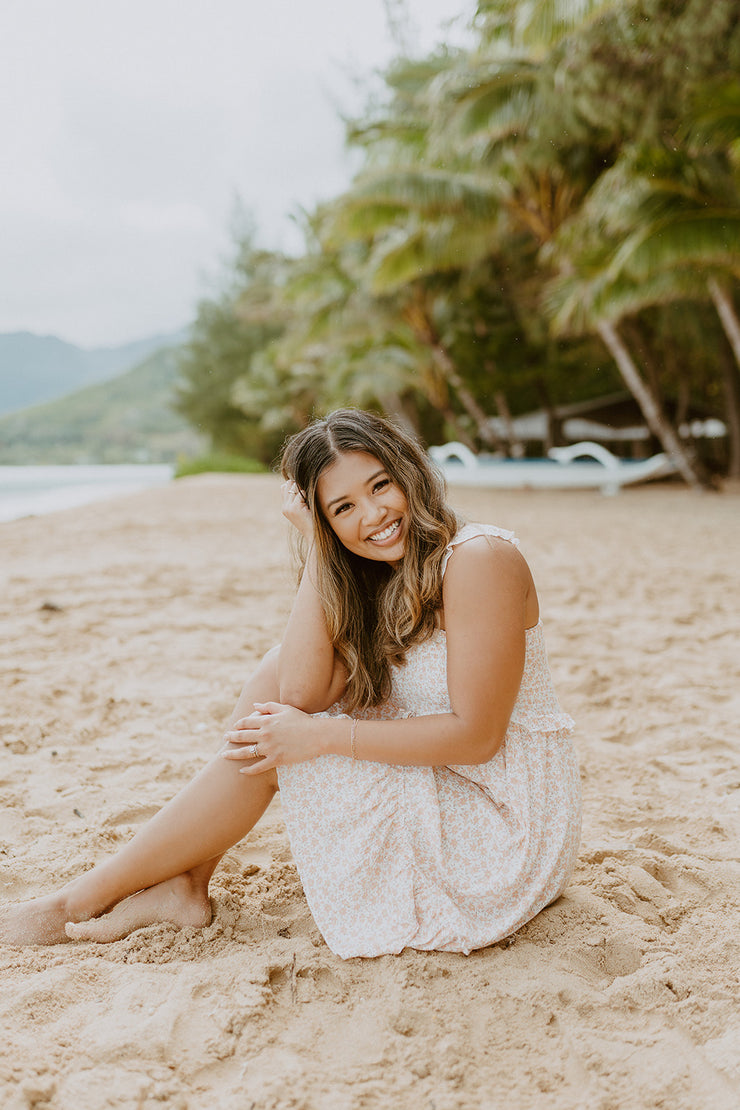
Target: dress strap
{"points": [[469, 531]]}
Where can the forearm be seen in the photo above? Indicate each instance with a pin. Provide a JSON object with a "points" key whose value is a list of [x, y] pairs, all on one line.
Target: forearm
{"points": [[432, 741], [306, 663]]}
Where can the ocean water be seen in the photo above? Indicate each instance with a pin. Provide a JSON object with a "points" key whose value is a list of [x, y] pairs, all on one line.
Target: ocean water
{"points": [[35, 490]]}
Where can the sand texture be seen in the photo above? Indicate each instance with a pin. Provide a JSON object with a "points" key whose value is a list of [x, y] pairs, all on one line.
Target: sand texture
{"points": [[128, 628]]}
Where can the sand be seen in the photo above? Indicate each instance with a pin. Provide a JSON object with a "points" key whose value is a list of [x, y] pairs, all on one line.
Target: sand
{"points": [[128, 627]]}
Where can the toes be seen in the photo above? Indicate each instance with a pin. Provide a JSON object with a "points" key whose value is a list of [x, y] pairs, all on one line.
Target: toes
{"points": [[75, 931], [84, 930]]}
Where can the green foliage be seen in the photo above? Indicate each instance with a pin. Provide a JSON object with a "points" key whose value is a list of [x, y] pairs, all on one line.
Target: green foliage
{"points": [[218, 464], [227, 334], [569, 170]]}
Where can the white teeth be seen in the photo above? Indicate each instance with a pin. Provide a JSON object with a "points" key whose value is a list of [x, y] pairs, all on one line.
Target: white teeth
{"points": [[386, 533]]}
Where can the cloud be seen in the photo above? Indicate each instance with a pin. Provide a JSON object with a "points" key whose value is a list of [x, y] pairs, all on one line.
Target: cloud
{"points": [[129, 127]]}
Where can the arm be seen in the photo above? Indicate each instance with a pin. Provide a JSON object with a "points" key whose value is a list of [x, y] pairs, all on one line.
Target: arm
{"points": [[485, 592], [486, 589], [309, 675]]}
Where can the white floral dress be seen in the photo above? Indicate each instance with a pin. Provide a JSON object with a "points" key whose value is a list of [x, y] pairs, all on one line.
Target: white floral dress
{"points": [[443, 858]]}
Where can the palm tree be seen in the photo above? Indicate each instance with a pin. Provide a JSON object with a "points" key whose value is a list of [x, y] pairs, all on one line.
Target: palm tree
{"points": [[426, 219], [678, 227]]}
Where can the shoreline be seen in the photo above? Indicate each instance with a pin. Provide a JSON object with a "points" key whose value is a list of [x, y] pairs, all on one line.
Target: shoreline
{"points": [[130, 624], [38, 490]]}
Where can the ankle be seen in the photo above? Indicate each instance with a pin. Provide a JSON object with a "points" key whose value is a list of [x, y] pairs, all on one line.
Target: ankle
{"points": [[74, 901]]}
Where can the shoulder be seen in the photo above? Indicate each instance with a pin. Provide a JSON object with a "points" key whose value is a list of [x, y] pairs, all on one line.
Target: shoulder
{"points": [[486, 556], [479, 538], [483, 562]]}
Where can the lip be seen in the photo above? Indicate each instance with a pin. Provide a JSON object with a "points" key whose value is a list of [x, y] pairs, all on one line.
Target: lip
{"points": [[389, 541]]}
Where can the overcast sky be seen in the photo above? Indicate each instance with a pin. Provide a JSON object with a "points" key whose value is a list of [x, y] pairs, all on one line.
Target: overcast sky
{"points": [[129, 127]]}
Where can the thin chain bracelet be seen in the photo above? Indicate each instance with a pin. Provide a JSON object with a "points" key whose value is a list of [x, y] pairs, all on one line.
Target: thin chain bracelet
{"points": [[352, 738]]}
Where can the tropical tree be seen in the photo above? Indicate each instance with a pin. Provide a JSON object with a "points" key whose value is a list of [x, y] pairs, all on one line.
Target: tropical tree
{"points": [[668, 229], [507, 179], [228, 332]]}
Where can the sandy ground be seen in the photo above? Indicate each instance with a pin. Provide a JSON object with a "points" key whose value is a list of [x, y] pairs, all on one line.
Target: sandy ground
{"points": [[127, 630]]}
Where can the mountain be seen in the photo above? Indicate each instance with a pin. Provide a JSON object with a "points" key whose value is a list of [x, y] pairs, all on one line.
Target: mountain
{"points": [[37, 368], [128, 418]]}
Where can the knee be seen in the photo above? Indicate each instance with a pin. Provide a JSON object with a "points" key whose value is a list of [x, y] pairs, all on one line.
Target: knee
{"points": [[268, 665], [268, 778]]}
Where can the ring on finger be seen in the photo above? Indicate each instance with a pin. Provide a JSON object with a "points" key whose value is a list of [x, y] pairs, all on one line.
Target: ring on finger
{"points": [[253, 751]]}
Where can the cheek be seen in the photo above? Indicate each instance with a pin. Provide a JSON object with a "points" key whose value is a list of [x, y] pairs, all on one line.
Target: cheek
{"points": [[332, 524]]}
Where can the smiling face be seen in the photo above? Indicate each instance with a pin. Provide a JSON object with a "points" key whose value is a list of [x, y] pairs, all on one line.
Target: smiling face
{"points": [[365, 508]]}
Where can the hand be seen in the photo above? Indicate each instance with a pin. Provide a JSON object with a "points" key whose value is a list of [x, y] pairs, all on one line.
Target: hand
{"points": [[296, 510], [283, 735]]}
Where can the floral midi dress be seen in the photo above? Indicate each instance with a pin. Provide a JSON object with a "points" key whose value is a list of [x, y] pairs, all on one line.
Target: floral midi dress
{"points": [[446, 858]]}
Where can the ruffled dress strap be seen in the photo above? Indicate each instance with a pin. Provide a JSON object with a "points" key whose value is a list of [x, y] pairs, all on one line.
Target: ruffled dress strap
{"points": [[469, 531]]}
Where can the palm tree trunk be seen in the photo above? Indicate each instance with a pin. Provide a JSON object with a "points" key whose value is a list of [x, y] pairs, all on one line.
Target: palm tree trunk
{"points": [[516, 447], [728, 318], [460, 432], [417, 316], [467, 400], [654, 418]]}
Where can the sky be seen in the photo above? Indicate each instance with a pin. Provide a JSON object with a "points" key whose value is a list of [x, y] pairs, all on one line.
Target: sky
{"points": [[131, 130]]}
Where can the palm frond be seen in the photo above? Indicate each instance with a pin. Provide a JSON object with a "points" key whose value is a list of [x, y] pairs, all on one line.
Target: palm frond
{"points": [[495, 114], [427, 191], [714, 115], [430, 249], [546, 22], [574, 302], [539, 22], [354, 221], [405, 132], [699, 239]]}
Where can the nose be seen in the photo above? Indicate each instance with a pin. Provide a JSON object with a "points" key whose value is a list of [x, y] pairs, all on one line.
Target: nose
{"points": [[372, 511]]}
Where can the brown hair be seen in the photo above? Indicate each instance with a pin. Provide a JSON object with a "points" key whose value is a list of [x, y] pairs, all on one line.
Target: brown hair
{"points": [[374, 612]]}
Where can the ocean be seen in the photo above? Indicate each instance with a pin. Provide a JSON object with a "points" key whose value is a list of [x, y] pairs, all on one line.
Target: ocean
{"points": [[35, 490]]}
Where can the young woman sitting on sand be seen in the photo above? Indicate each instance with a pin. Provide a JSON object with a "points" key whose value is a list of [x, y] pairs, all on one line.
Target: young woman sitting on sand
{"points": [[430, 788]]}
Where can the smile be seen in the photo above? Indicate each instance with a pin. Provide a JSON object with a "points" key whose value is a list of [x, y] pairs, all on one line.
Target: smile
{"points": [[381, 537]]}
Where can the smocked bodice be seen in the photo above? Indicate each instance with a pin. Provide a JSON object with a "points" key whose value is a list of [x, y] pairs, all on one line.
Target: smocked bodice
{"points": [[420, 686]]}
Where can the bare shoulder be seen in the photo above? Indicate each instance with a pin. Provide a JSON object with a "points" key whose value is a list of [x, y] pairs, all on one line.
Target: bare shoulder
{"points": [[489, 568], [489, 555]]}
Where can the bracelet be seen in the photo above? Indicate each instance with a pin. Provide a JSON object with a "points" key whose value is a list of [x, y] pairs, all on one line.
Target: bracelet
{"points": [[352, 738]]}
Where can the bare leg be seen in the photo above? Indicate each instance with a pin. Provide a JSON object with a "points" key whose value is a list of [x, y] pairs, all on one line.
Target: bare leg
{"points": [[167, 865]]}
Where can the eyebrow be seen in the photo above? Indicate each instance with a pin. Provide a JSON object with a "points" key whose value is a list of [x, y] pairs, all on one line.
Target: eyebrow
{"points": [[345, 497]]}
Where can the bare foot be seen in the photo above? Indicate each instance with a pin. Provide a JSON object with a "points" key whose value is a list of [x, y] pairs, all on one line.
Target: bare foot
{"points": [[39, 921], [177, 901]]}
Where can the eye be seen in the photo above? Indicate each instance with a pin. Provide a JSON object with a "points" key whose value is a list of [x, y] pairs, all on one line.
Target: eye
{"points": [[381, 483], [340, 508]]}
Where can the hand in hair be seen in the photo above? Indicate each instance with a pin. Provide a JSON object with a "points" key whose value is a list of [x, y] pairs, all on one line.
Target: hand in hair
{"points": [[295, 509]]}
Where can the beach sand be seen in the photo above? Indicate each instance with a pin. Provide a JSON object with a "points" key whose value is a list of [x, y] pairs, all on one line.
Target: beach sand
{"points": [[128, 627]]}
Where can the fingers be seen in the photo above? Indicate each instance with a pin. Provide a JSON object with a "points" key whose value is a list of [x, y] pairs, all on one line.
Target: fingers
{"points": [[256, 764], [291, 492], [241, 732], [253, 721], [258, 768]]}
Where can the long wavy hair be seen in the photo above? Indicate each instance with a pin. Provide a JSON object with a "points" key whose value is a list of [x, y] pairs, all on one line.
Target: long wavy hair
{"points": [[374, 612]]}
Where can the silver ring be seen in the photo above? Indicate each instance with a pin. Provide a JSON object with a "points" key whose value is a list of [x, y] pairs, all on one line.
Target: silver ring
{"points": [[253, 751]]}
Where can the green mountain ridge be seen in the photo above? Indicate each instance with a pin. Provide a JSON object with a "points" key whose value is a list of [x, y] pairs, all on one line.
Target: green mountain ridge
{"points": [[39, 368], [126, 419]]}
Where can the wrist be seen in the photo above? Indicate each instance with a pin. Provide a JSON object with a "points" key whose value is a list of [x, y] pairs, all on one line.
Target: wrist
{"points": [[336, 735], [325, 735]]}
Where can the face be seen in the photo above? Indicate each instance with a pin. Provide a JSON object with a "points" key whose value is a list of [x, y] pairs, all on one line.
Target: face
{"points": [[364, 507]]}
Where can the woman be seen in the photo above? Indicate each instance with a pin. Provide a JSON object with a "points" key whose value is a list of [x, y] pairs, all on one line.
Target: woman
{"points": [[430, 788]]}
